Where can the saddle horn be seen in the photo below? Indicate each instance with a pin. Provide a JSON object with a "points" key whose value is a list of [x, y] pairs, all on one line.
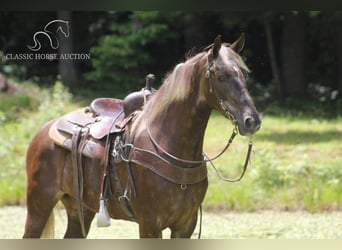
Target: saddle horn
{"points": [[149, 79], [136, 100]]}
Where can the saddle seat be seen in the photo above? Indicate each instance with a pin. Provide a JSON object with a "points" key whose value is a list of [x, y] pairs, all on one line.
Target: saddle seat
{"points": [[101, 118], [106, 107]]}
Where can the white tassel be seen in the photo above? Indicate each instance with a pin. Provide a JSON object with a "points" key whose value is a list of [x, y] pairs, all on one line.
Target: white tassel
{"points": [[103, 219]]}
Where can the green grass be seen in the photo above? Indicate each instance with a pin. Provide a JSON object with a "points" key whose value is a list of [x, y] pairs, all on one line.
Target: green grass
{"points": [[295, 164]]}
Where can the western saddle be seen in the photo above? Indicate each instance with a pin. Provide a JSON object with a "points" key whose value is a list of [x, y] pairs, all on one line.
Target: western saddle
{"points": [[84, 130], [104, 117]]}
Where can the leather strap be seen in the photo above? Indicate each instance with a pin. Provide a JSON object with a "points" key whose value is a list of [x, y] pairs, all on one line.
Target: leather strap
{"points": [[76, 160], [170, 172], [120, 194]]}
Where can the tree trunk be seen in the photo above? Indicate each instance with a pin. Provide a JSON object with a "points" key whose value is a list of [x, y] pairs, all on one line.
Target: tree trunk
{"points": [[67, 67], [293, 55], [273, 61], [339, 53]]}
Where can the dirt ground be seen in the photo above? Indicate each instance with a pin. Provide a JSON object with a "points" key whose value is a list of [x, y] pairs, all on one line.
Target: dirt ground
{"points": [[218, 225]]}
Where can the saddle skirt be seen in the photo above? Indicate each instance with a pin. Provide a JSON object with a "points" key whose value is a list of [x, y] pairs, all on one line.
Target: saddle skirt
{"points": [[105, 116]]}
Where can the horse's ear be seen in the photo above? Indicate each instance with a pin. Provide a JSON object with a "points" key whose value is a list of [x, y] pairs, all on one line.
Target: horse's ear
{"points": [[217, 46], [239, 43]]}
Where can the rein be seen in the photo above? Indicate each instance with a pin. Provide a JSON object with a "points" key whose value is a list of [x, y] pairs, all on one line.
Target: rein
{"points": [[247, 160], [231, 117], [205, 156], [234, 133]]}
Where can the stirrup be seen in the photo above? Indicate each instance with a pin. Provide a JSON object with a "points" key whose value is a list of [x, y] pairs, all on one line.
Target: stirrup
{"points": [[103, 219]]}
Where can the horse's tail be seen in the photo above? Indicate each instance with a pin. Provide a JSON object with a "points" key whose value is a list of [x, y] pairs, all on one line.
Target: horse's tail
{"points": [[49, 228]]}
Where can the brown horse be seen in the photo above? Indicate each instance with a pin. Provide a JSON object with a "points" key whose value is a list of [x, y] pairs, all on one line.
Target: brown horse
{"points": [[167, 168]]}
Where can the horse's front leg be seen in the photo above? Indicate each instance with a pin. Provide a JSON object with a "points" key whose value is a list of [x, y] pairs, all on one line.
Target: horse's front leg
{"points": [[184, 229], [149, 230]]}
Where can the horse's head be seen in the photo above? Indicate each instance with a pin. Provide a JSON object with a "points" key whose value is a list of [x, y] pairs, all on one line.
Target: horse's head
{"points": [[227, 91]]}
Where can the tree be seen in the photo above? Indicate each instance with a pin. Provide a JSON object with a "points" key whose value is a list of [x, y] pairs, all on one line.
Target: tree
{"points": [[67, 68], [272, 55], [130, 50], [293, 54], [338, 25]]}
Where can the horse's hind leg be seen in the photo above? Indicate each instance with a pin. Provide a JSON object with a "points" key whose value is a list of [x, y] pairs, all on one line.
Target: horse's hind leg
{"points": [[38, 214], [42, 165], [74, 229], [41, 200]]}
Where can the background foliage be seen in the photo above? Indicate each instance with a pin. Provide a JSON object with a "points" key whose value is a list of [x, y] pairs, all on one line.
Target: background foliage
{"points": [[296, 164], [295, 57]]}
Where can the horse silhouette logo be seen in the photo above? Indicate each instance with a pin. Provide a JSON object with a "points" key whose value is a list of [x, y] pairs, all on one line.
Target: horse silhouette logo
{"points": [[50, 31]]}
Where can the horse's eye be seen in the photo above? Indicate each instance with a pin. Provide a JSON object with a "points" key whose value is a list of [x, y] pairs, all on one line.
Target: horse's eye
{"points": [[220, 77]]}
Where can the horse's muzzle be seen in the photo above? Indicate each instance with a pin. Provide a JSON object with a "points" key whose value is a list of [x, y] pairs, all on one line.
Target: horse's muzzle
{"points": [[251, 125]]}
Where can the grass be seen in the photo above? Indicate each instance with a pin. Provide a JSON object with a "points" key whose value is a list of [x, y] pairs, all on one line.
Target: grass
{"points": [[295, 165]]}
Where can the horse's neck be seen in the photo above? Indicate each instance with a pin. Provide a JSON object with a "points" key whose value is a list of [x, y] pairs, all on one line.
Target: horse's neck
{"points": [[180, 129]]}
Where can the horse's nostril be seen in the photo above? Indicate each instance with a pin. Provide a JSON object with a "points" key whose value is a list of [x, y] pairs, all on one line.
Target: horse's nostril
{"points": [[252, 124], [249, 122]]}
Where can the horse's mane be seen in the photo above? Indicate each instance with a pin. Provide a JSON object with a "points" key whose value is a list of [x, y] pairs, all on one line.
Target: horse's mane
{"points": [[178, 84], [175, 87]]}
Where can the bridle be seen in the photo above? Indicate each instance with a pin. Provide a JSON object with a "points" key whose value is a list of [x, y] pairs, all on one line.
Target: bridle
{"points": [[206, 159], [220, 101], [231, 117]]}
